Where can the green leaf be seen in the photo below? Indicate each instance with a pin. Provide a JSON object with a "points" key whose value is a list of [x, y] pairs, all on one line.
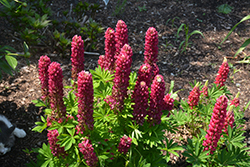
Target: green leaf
{"points": [[5, 67], [196, 32], [244, 19], [242, 47], [5, 3]]}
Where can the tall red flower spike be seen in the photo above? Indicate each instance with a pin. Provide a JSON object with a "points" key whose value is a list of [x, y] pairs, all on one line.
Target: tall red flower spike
{"points": [[229, 119], [125, 144], [140, 98], [43, 65], [222, 74], [151, 46], [87, 150], [110, 49], [216, 124], [56, 91], [121, 36], [77, 56], [56, 150], [236, 101], [194, 96], [156, 104], [85, 97], [121, 79]]}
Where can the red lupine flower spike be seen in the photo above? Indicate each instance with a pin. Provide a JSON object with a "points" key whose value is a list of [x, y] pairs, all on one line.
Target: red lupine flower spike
{"points": [[110, 49], [56, 91], [56, 150], [229, 119], [121, 36], [121, 80], [168, 102], [144, 74], [236, 101], [151, 46], [222, 74], [85, 102], [77, 56], [156, 104], [194, 96], [140, 98], [87, 150], [216, 124], [43, 65], [205, 89], [125, 144]]}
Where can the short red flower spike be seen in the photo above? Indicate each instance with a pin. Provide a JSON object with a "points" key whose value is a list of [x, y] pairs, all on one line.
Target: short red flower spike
{"points": [[216, 124], [156, 104], [102, 62], [204, 90], [77, 56], [43, 65], [222, 74], [236, 101], [56, 150], [145, 74], [194, 96], [229, 119], [85, 97], [121, 36], [168, 102], [87, 150], [125, 144]]}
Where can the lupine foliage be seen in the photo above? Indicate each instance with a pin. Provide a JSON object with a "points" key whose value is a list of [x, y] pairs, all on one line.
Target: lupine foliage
{"points": [[122, 118]]}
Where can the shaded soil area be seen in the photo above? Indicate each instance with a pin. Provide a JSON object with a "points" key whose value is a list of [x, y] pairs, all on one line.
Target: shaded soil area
{"points": [[200, 62]]}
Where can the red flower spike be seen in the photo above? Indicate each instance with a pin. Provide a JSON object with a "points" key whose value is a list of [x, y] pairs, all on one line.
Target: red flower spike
{"points": [[77, 56], [156, 104], [56, 150], [144, 74], [125, 144], [56, 91], [121, 36], [87, 150], [151, 46], [168, 102], [236, 101], [102, 62], [110, 49], [229, 119], [43, 65], [194, 96], [205, 89], [121, 79], [216, 124], [222, 74], [140, 98], [85, 97]]}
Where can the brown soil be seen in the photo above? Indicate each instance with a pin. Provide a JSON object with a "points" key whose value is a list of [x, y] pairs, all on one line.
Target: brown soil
{"points": [[200, 62]]}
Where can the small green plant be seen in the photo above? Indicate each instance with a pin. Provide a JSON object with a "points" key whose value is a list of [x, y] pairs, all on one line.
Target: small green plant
{"points": [[8, 61], [184, 44], [225, 9], [143, 8]]}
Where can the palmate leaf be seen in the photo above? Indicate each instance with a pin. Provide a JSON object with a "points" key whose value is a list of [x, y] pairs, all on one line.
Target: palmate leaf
{"points": [[100, 74]]}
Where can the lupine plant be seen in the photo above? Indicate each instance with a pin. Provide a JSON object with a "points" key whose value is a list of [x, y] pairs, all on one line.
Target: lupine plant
{"points": [[118, 118]]}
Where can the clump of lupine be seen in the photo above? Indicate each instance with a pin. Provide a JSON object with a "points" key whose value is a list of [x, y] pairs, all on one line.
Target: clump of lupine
{"points": [[115, 118]]}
